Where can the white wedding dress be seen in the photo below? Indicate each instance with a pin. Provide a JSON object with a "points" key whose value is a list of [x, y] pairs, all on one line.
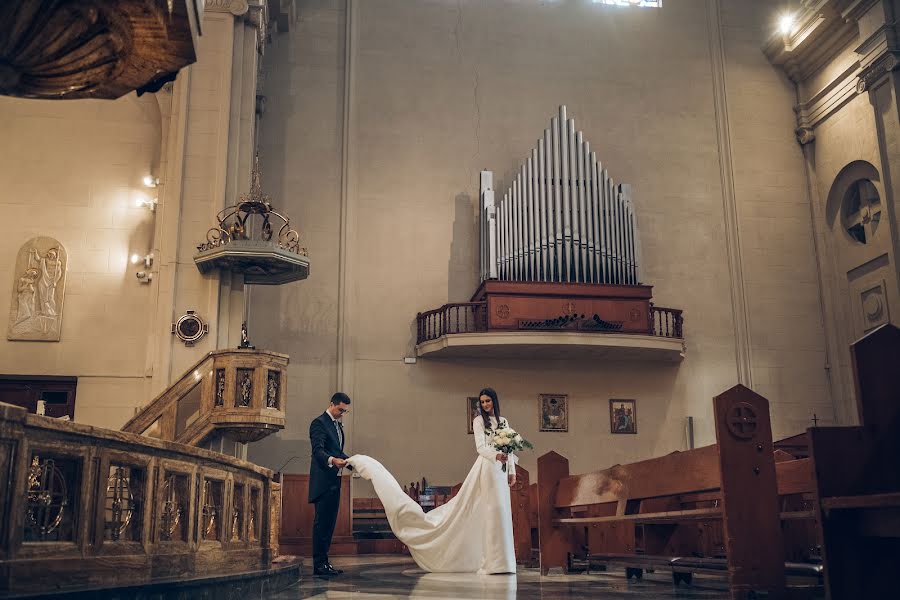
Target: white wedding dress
{"points": [[470, 533]]}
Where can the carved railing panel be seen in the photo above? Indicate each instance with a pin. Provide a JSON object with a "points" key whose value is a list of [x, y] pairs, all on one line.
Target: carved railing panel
{"points": [[238, 512], [124, 504], [76, 497], [173, 514], [51, 501]]}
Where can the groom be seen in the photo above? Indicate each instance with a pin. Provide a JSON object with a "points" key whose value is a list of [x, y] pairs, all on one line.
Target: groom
{"points": [[326, 434]]}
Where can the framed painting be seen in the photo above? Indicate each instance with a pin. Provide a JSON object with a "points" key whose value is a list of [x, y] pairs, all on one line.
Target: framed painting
{"points": [[622, 416], [471, 411], [553, 412]]}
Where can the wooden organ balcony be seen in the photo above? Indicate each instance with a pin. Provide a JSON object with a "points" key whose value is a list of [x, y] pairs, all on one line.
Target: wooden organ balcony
{"points": [[546, 320], [560, 268], [239, 393]]}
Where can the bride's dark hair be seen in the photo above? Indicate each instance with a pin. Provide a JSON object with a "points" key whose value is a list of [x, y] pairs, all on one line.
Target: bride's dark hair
{"points": [[493, 396]]}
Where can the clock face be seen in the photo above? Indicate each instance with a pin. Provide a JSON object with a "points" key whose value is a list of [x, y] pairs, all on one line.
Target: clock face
{"points": [[189, 328]]}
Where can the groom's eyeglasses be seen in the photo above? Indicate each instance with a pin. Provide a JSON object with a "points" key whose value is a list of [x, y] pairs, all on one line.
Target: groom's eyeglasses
{"points": [[344, 411]]}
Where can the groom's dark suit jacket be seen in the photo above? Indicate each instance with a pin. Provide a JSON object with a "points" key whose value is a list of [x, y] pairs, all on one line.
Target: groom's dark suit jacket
{"points": [[325, 442]]}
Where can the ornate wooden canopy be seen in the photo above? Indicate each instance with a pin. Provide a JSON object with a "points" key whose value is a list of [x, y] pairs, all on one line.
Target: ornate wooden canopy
{"points": [[64, 49]]}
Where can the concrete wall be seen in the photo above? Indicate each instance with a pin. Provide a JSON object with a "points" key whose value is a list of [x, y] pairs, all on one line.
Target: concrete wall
{"points": [[779, 256], [440, 90]]}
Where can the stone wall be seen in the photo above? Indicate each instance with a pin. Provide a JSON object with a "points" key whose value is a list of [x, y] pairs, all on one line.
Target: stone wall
{"points": [[437, 91]]}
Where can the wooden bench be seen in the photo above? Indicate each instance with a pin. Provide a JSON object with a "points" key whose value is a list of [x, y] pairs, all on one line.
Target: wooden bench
{"points": [[857, 478], [672, 507], [371, 530]]}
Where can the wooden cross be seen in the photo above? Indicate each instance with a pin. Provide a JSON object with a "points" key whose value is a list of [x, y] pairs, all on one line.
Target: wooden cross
{"points": [[815, 420]]}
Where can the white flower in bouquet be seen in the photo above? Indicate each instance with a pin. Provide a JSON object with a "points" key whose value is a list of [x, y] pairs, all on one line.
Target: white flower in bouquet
{"points": [[507, 440]]}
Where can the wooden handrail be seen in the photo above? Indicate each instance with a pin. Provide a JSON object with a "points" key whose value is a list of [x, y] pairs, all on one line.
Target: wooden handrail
{"points": [[471, 317], [455, 317], [238, 389]]}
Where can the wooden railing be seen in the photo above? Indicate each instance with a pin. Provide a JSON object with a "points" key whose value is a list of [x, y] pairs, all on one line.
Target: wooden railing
{"points": [[238, 392], [457, 317], [84, 507], [471, 317], [666, 322]]}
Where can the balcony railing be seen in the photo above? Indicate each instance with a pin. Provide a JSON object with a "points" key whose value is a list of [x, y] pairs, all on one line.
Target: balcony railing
{"points": [[456, 317], [471, 317], [666, 322], [89, 507]]}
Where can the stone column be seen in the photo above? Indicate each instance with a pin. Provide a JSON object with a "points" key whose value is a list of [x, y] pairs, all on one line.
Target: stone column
{"points": [[205, 167]]}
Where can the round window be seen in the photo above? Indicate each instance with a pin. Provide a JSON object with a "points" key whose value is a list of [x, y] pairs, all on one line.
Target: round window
{"points": [[861, 210]]}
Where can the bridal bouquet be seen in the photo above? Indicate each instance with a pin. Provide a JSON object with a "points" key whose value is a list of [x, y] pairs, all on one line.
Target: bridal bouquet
{"points": [[505, 439]]}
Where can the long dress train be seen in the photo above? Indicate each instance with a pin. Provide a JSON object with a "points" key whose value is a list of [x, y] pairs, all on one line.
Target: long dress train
{"points": [[471, 533]]}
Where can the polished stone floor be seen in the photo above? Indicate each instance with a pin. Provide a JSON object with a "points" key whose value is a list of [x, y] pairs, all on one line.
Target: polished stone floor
{"points": [[376, 577]]}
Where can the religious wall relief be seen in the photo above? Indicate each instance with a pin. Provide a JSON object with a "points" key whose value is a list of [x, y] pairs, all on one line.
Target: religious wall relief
{"points": [[38, 291]]}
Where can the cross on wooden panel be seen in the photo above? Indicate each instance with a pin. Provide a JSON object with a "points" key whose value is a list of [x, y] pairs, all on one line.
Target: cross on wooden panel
{"points": [[742, 420], [862, 210]]}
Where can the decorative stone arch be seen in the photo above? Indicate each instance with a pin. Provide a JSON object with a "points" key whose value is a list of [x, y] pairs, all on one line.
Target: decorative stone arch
{"points": [[38, 291]]}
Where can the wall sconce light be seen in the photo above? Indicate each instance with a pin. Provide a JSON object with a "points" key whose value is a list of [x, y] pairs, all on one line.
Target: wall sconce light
{"points": [[150, 181], [143, 276], [146, 202], [147, 259]]}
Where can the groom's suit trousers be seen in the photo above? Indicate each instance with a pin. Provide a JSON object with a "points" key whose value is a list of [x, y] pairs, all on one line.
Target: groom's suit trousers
{"points": [[327, 506]]}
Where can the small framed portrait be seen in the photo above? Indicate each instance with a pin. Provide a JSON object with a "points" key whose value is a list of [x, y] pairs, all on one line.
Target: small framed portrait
{"points": [[622, 416], [471, 411], [553, 412]]}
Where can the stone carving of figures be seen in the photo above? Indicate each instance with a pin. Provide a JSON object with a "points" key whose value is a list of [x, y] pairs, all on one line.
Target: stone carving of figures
{"points": [[271, 393], [220, 387], [246, 388], [50, 268], [38, 291], [27, 291]]}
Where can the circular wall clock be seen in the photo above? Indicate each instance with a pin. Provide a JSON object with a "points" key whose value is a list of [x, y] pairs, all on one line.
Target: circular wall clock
{"points": [[190, 328]]}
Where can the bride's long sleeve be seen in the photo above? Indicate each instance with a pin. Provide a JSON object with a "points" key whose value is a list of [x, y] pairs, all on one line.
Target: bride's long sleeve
{"points": [[513, 458], [481, 445]]}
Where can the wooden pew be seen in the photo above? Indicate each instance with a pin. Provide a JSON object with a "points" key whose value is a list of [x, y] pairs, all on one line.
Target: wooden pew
{"points": [[657, 510], [520, 503], [796, 503], [371, 529], [857, 478]]}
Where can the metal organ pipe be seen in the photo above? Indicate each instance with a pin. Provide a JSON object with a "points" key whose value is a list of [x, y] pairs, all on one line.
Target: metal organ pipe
{"points": [[563, 218]]}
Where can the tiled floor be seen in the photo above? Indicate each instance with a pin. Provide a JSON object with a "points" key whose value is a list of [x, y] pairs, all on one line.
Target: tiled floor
{"points": [[376, 577]]}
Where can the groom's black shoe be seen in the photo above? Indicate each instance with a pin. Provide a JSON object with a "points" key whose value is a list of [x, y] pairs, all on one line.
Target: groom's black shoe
{"points": [[335, 569], [324, 571]]}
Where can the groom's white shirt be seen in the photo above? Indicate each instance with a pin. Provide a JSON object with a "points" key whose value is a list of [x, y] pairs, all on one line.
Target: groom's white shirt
{"points": [[335, 423]]}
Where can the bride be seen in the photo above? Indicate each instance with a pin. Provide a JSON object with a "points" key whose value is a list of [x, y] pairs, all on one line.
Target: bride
{"points": [[472, 532]]}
